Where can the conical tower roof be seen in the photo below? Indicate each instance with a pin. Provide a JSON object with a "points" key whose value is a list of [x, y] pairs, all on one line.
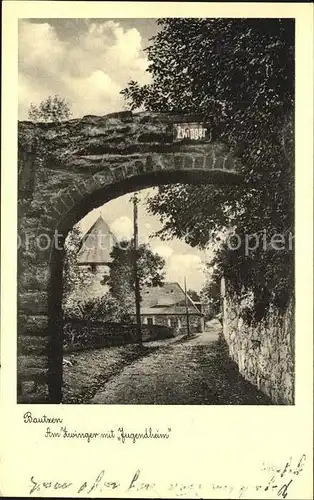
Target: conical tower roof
{"points": [[97, 244]]}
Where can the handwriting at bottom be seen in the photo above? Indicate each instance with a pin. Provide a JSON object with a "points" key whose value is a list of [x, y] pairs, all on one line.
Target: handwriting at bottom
{"points": [[101, 485], [279, 484]]}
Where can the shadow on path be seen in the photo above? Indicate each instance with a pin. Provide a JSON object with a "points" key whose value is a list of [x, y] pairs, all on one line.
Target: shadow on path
{"points": [[195, 370]]}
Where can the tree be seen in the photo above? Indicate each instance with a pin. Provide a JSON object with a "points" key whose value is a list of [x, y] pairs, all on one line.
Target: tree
{"points": [[211, 294], [121, 276], [105, 308], [52, 109], [238, 74], [75, 277], [193, 295]]}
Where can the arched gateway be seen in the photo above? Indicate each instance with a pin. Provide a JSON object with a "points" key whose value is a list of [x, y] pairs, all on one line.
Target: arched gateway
{"points": [[66, 170]]}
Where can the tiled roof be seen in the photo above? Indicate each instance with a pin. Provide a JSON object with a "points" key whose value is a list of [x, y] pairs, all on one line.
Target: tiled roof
{"points": [[97, 244], [166, 299]]}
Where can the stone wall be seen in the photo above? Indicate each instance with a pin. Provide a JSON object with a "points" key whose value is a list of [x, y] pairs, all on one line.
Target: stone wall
{"points": [[264, 352], [64, 171], [83, 334]]}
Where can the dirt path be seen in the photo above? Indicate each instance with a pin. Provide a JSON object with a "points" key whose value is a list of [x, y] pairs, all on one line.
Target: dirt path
{"points": [[194, 371], [86, 372]]}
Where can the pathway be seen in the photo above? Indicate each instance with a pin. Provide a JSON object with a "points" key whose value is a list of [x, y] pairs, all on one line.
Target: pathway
{"points": [[191, 371]]}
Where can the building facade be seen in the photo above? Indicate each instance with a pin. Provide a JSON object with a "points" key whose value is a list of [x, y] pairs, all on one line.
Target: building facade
{"points": [[168, 305]]}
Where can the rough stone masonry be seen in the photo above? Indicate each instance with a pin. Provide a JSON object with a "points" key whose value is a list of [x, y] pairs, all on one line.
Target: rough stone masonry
{"points": [[67, 169], [264, 352]]}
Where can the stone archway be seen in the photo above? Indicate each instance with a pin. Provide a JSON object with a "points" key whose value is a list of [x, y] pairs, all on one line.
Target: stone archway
{"points": [[66, 170]]}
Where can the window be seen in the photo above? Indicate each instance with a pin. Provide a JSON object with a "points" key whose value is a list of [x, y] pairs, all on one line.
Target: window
{"points": [[150, 321], [172, 322]]}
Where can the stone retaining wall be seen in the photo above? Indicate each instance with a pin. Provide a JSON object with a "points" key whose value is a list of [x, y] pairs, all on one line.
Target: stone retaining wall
{"points": [[264, 353], [82, 334]]}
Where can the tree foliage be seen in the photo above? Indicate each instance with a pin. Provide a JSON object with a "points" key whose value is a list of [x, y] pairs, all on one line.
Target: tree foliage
{"points": [[77, 280], [193, 295], [75, 277], [238, 74], [118, 303], [105, 308], [211, 295], [121, 278], [52, 109]]}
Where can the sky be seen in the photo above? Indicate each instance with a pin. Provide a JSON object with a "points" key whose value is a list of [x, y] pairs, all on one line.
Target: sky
{"points": [[89, 61]]}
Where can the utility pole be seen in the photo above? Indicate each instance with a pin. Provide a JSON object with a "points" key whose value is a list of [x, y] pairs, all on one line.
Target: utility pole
{"points": [[136, 278], [186, 309]]}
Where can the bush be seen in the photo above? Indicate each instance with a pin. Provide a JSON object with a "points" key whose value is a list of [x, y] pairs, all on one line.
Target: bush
{"points": [[54, 109], [106, 309]]}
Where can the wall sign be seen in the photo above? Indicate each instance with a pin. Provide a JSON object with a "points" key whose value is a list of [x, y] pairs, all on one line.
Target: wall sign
{"points": [[192, 131]]}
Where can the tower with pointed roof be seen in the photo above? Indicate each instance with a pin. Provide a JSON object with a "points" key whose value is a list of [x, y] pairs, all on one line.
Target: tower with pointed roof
{"points": [[96, 246]]}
